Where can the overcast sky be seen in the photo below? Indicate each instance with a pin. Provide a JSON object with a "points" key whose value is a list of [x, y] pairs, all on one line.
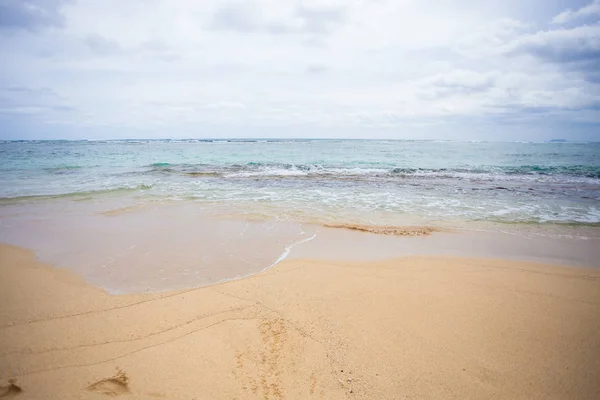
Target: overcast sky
{"points": [[438, 69]]}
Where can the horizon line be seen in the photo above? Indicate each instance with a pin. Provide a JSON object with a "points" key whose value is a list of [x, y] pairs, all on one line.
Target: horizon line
{"points": [[254, 139]]}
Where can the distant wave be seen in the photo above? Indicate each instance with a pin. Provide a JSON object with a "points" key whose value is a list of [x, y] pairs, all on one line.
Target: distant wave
{"points": [[568, 170], [258, 139], [282, 170], [64, 169]]}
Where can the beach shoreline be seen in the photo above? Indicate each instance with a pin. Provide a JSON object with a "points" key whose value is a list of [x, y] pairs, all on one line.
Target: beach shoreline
{"points": [[158, 246], [409, 327]]}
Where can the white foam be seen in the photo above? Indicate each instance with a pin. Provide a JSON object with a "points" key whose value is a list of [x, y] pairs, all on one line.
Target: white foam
{"points": [[282, 257], [287, 250]]}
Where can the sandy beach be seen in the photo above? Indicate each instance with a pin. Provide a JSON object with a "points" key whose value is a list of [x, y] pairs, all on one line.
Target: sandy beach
{"points": [[404, 328]]}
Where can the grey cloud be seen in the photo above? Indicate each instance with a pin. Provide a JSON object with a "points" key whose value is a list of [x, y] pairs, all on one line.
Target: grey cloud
{"points": [[155, 46], [30, 15], [517, 108], [543, 101], [20, 94], [101, 45], [31, 101], [464, 79], [167, 57], [590, 10], [456, 82], [563, 45], [320, 20], [590, 70], [23, 89], [576, 49], [250, 17], [159, 50], [237, 17], [154, 49], [316, 68], [34, 110], [517, 115]]}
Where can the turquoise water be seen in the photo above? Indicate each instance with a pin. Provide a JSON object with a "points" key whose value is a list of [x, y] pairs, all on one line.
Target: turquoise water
{"points": [[356, 181]]}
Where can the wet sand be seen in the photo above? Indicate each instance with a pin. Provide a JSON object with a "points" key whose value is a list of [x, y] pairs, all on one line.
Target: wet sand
{"points": [[403, 328], [181, 246]]}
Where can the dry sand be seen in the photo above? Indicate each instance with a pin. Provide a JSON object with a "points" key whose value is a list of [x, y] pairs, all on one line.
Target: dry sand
{"points": [[410, 328]]}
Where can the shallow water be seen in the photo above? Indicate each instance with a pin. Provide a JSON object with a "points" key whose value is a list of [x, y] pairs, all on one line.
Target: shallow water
{"points": [[176, 245], [170, 246]]}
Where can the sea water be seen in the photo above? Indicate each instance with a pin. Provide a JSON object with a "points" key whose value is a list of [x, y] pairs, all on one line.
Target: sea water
{"points": [[321, 180], [66, 199]]}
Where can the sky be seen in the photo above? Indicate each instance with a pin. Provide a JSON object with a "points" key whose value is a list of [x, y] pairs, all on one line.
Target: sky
{"points": [[405, 69]]}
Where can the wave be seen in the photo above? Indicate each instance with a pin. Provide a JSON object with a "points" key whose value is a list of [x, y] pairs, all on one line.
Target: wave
{"points": [[67, 167], [282, 170], [574, 223], [584, 171], [63, 169], [363, 171], [85, 193], [205, 174]]}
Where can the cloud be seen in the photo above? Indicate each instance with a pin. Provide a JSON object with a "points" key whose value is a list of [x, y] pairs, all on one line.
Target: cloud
{"points": [[30, 15], [563, 45], [484, 40], [32, 101], [224, 105], [311, 67], [150, 49], [156, 46], [276, 17], [575, 50], [320, 19], [457, 82], [242, 17], [102, 46], [590, 10], [316, 68]]}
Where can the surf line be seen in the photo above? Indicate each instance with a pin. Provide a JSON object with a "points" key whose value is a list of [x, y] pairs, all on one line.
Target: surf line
{"points": [[287, 250], [282, 257]]}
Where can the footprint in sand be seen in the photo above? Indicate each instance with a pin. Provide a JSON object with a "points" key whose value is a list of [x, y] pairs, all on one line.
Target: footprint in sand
{"points": [[114, 386], [10, 390]]}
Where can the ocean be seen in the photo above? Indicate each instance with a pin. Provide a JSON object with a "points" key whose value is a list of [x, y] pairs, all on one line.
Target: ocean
{"points": [[321, 180], [108, 203]]}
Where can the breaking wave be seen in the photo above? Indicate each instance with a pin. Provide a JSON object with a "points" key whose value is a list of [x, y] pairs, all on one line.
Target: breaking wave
{"points": [[281, 170], [85, 193]]}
